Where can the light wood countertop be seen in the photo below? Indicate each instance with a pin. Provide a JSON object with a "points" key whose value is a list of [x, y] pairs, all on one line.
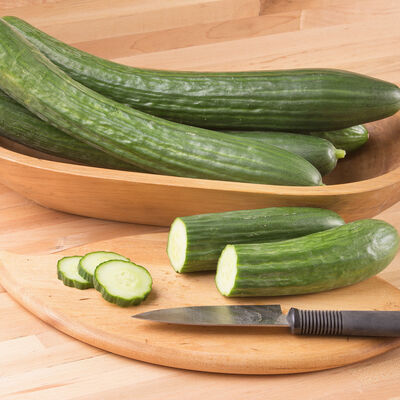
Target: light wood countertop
{"points": [[39, 362]]}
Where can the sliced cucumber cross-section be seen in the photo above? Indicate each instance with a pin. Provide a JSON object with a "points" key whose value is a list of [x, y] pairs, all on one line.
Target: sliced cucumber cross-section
{"points": [[122, 282], [67, 271], [90, 261], [227, 270]]}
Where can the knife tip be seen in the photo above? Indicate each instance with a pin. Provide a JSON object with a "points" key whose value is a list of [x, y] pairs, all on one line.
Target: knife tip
{"points": [[141, 316]]}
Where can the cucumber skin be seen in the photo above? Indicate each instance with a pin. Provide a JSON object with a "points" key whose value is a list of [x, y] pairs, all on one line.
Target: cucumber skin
{"points": [[20, 125], [207, 234], [318, 151], [119, 301], [146, 141], [288, 100], [318, 262], [348, 139], [71, 282]]}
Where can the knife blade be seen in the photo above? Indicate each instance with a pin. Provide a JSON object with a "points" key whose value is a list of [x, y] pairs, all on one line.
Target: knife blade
{"points": [[300, 322]]}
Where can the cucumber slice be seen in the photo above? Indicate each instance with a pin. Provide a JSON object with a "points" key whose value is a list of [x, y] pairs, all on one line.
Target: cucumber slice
{"points": [[90, 261], [67, 271], [122, 282]]}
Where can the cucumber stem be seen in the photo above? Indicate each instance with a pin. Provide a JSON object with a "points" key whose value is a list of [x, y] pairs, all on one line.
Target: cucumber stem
{"points": [[340, 153]]}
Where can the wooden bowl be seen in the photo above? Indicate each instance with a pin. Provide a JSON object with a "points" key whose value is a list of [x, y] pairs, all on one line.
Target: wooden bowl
{"points": [[363, 185]]}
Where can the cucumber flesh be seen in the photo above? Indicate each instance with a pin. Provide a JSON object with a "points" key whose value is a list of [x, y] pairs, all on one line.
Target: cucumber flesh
{"points": [[67, 271], [227, 270], [177, 244], [90, 261], [122, 282]]}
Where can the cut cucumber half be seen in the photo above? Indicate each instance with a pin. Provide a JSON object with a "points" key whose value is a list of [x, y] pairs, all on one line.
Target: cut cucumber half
{"points": [[122, 282], [67, 271], [195, 242], [90, 261], [321, 261]]}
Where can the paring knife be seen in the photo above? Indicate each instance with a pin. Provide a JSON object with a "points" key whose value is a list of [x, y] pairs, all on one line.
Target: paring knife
{"points": [[300, 322]]}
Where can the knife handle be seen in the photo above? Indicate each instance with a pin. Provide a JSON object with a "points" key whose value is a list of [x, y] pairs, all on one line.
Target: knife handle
{"points": [[344, 323]]}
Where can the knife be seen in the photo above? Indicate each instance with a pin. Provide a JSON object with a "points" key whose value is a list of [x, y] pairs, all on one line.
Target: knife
{"points": [[300, 322]]}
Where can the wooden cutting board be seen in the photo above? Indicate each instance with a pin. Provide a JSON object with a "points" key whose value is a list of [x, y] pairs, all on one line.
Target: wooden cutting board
{"points": [[32, 281]]}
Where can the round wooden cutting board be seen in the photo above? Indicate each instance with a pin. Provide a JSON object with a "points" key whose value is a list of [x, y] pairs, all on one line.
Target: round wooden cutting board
{"points": [[83, 314]]}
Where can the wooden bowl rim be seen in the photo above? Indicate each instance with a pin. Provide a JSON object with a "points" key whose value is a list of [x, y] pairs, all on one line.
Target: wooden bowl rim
{"points": [[372, 184]]}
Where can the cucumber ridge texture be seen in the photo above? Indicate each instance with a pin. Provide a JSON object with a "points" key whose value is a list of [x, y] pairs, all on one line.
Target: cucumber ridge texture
{"points": [[143, 140], [298, 100], [317, 262], [207, 234]]}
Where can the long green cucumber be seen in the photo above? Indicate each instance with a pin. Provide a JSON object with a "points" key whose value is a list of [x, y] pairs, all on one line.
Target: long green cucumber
{"points": [[348, 139], [300, 100], [148, 142], [20, 125], [195, 242], [321, 261], [319, 152]]}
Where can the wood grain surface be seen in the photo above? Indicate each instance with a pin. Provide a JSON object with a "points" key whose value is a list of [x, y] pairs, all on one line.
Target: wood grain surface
{"points": [[38, 362], [83, 314]]}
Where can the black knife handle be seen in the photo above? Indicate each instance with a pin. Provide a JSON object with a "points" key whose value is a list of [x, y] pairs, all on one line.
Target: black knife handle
{"points": [[344, 323]]}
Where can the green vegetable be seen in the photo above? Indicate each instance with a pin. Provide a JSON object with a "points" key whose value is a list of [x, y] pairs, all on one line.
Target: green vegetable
{"points": [[301, 100], [196, 242], [20, 125], [67, 271], [90, 261], [145, 141], [321, 261], [348, 139], [319, 152], [122, 282]]}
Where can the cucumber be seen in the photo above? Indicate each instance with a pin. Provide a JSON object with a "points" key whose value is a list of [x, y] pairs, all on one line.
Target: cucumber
{"points": [[319, 152], [122, 282], [348, 139], [20, 125], [67, 272], [317, 262], [148, 142], [300, 100], [196, 242], [90, 261]]}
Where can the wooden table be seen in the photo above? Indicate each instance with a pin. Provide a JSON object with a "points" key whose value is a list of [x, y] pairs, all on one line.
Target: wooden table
{"points": [[37, 361]]}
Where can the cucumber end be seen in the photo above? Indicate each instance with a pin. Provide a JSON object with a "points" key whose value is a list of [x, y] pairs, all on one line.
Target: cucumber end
{"points": [[340, 153], [226, 270], [177, 245]]}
